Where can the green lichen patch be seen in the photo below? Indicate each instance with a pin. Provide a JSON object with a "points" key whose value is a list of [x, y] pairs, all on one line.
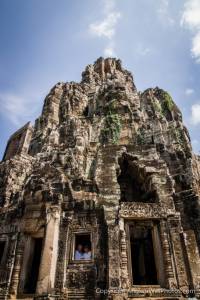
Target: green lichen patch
{"points": [[157, 107], [140, 138], [112, 125], [165, 106], [167, 103]]}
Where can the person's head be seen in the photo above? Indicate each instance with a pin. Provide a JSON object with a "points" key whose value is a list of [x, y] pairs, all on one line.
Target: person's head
{"points": [[79, 247], [86, 249]]}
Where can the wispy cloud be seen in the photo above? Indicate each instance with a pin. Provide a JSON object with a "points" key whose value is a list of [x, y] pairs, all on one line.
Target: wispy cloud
{"points": [[109, 50], [106, 28], [195, 116], [163, 13], [16, 108], [189, 92], [191, 20]]}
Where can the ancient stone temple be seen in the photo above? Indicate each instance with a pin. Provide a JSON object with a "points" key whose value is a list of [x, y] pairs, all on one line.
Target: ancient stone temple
{"points": [[100, 198]]}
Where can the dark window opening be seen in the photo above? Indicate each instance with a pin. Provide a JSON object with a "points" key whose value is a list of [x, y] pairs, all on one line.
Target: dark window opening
{"points": [[2, 249], [131, 186], [86, 111], [33, 270], [142, 256], [83, 249]]}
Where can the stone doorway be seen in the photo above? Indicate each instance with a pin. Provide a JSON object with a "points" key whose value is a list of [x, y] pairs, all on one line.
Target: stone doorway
{"points": [[142, 254], [145, 254], [33, 265]]}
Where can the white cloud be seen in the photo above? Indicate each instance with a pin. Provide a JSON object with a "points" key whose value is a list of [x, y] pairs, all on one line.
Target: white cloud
{"points": [[109, 51], [189, 92], [191, 14], [195, 117], [196, 47], [106, 28], [163, 13], [191, 20], [18, 109]]}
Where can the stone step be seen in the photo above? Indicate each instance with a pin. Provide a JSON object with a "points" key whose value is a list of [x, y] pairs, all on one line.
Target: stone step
{"points": [[79, 295], [26, 298], [156, 298]]}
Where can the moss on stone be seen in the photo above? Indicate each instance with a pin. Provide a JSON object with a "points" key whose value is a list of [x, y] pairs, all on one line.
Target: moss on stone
{"points": [[157, 107], [112, 125], [167, 103], [140, 138]]}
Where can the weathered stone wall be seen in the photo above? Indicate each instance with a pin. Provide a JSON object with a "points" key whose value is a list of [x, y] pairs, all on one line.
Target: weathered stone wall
{"points": [[65, 179]]}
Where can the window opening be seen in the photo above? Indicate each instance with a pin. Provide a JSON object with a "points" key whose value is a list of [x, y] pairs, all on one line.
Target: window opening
{"points": [[83, 250]]}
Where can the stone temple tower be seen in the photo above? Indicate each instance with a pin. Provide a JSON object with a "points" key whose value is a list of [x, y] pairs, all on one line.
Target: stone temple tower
{"points": [[100, 198]]}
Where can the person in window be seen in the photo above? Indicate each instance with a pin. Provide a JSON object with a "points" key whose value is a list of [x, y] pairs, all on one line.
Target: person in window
{"points": [[79, 252], [86, 253]]}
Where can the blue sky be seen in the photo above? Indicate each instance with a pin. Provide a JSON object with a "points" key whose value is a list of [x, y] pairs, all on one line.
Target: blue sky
{"points": [[43, 42]]}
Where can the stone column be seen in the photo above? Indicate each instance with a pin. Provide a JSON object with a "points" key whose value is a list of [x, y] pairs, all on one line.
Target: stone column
{"points": [[48, 263], [175, 230], [17, 266], [113, 257], [193, 259], [62, 250], [114, 268], [125, 280], [170, 272]]}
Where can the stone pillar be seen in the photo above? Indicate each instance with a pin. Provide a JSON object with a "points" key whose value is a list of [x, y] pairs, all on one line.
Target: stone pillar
{"points": [[178, 252], [17, 266], [193, 258], [48, 263], [170, 272], [125, 280], [62, 250], [114, 268]]}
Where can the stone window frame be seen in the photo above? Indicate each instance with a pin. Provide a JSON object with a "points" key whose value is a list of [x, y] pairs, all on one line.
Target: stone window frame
{"points": [[72, 250], [158, 251]]}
